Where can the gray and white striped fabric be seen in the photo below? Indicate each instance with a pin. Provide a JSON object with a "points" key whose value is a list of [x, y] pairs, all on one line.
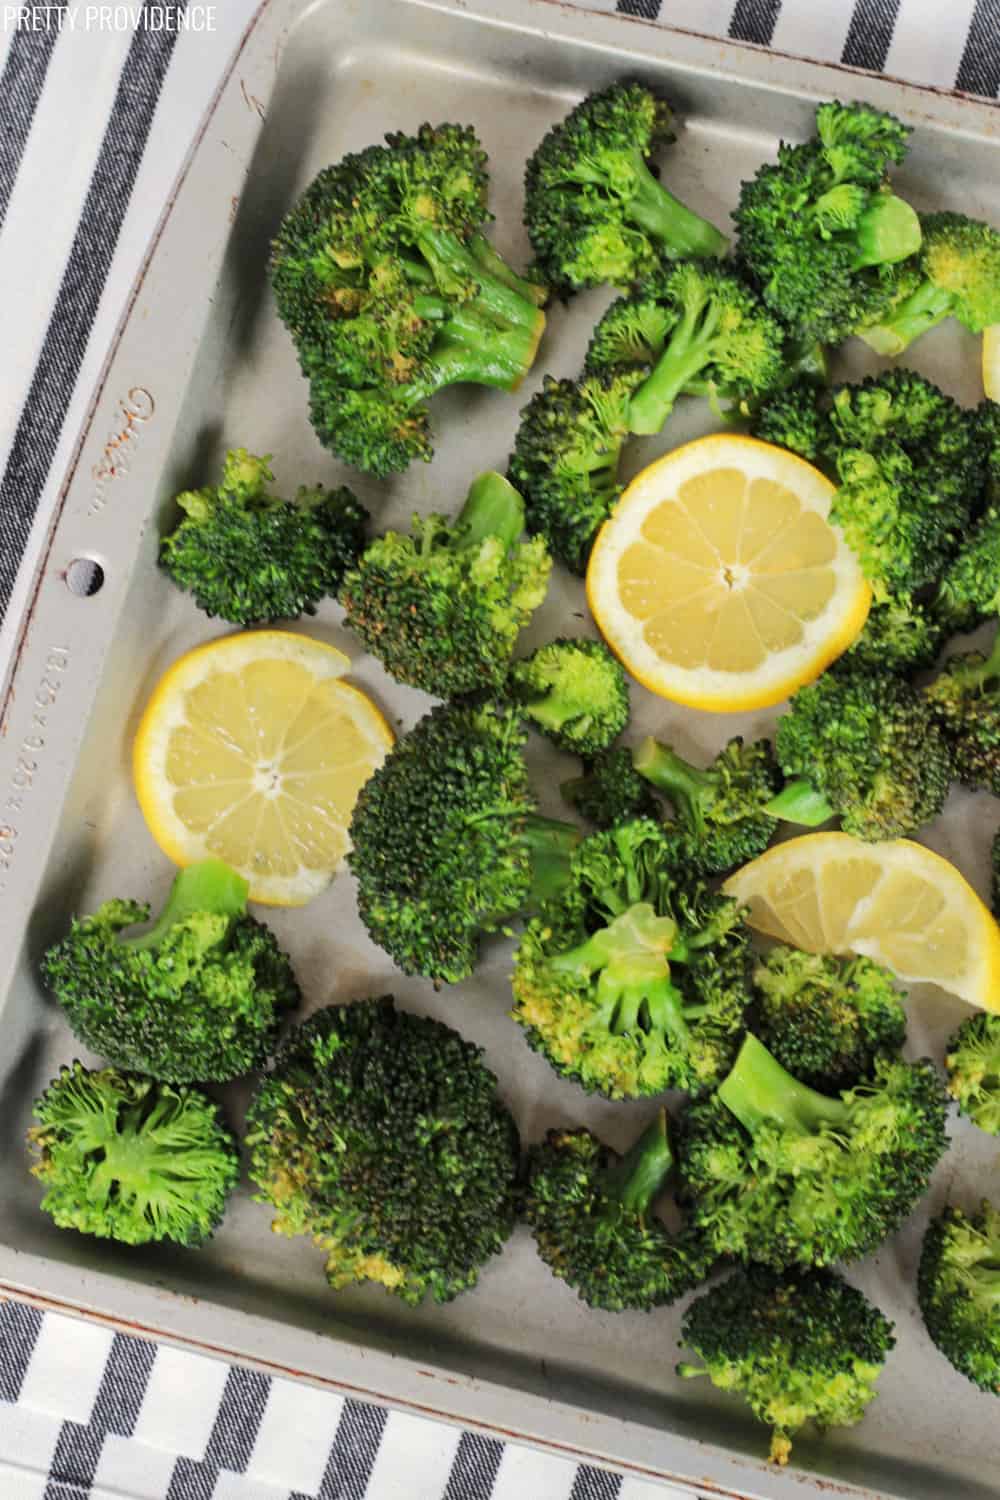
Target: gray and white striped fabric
{"points": [[95, 120]]}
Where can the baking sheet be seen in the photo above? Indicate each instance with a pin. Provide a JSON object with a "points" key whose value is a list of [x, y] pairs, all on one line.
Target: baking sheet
{"points": [[202, 363]]}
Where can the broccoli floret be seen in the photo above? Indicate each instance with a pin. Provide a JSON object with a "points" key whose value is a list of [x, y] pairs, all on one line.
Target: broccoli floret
{"points": [[965, 701], [591, 1214], [969, 590], [251, 557], [629, 981], [593, 209], [973, 1067], [793, 418], [390, 293], [798, 1348], [721, 820], [899, 635], [827, 1020], [958, 1288], [718, 337], [818, 228], [777, 1173], [129, 1159], [611, 790], [442, 608], [445, 841], [380, 1134], [863, 747], [575, 692], [955, 275], [198, 998], [565, 460]]}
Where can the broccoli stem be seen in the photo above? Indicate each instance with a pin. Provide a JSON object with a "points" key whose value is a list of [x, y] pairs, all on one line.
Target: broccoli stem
{"points": [[494, 263], [688, 351], [642, 1172], [493, 508], [888, 231], [759, 1089], [915, 315], [686, 787], [681, 232], [800, 802], [454, 266], [207, 886], [550, 845]]}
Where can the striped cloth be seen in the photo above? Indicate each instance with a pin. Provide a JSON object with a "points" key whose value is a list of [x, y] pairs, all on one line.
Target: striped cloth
{"points": [[94, 125]]}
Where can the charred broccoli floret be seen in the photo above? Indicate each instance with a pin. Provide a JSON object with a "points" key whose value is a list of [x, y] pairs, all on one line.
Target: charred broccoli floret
{"points": [[631, 981], [955, 275], [972, 1063], [720, 818], [125, 1158], [958, 1288], [594, 211], [818, 227], [390, 293], [445, 841], [777, 1173], [611, 790], [442, 607], [899, 635], [715, 336], [864, 747], [827, 1020], [591, 1212], [965, 701], [199, 998], [380, 1135], [798, 1348], [251, 557], [565, 460], [575, 692]]}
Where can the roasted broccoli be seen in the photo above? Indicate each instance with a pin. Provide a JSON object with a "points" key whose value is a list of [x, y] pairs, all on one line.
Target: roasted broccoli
{"points": [[799, 1348], [630, 981], [955, 275], [969, 591], [958, 1288], [390, 293], [575, 692], [380, 1134], [818, 228], [965, 701], [594, 211], [565, 460], [777, 1173], [591, 1212], [442, 607], [199, 998], [611, 790], [973, 1067], [720, 821], [863, 747], [251, 557], [900, 635], [714, 335], [445, 841], [129, 1159], [827, 1020]]}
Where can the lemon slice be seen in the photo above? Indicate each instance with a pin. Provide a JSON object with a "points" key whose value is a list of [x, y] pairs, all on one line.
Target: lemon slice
{"points": [[253, 749], [897, 903], [991, 361], [719, 580]]}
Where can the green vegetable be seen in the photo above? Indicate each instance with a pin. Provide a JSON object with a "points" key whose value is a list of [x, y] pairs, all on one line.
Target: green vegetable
{"points": [[594, 211], [965, 701], [442, 607], [798, 1348], [125, 1158], [575, 692], [251, 557], [591, 1213], [380, 1135], [777, 1173], [721, 817], [200, 997], [630, 980], [955, 275], [958, 1288], [611, 790], [973, 1067]]}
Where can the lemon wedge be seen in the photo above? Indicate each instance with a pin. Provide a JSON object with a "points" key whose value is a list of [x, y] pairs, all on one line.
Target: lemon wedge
{"points": [[719, 580], [253, 749]]}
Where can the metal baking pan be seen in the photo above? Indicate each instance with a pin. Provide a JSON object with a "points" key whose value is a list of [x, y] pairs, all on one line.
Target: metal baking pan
{"points": [[201, 362]]}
